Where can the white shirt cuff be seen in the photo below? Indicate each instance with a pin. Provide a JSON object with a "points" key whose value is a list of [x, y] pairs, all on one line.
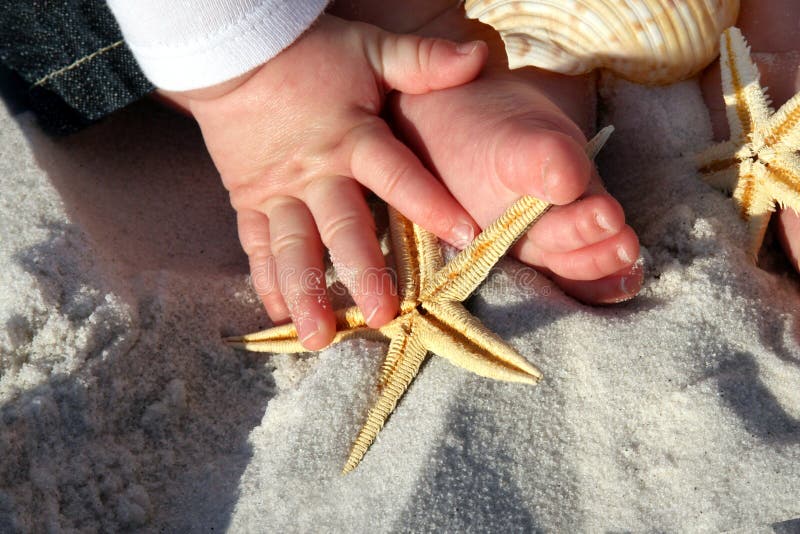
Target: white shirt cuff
{"points": [[182, 45]]}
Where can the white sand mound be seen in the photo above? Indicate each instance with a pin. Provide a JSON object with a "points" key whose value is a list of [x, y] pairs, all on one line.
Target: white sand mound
{"points": [[120, 407]]}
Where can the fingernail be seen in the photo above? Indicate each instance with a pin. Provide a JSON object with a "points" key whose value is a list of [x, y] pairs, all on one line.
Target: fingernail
{"points": [[306, 329], [371, 307], [466, 49], [602, 222], [623, 255], [462, 235]]}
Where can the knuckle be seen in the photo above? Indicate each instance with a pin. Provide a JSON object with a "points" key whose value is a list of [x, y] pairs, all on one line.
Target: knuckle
{"points": [[256, 247], [341, 226], [361, 137], [254, 243], [284, 243], [395, 179], [279, 203], [391, 184], [425, 51], [428, 215]]}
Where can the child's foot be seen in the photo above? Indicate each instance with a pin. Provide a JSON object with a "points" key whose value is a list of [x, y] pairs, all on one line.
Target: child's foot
{"points": [[501, 136], [770, 28]]}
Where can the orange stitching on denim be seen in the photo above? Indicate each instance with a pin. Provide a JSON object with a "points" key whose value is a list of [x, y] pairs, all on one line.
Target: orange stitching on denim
{"points": [[77, 63]]}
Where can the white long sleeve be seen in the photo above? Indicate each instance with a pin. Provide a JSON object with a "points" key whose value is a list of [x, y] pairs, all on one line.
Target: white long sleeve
{"points": [[189, 44]]}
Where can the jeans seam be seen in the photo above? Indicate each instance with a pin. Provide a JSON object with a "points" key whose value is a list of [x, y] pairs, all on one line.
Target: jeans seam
{"points": [[77, 63]]}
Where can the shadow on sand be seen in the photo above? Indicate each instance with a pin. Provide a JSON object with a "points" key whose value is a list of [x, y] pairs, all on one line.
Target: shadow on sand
{"points": [[148, 426]]}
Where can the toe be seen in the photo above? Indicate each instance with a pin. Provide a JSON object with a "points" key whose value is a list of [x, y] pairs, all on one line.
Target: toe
{"points": [[591, 262], [618, 287], [585, 222], [546, 163]]}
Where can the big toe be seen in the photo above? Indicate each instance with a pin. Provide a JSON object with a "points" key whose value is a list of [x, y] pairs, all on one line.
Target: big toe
{"points": [[537, 155]]}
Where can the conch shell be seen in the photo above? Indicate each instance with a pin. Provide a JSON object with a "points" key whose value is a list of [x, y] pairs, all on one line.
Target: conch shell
{"points": [[645, 41]]}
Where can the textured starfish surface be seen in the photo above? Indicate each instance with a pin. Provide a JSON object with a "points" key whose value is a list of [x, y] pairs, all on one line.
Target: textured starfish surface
{"points": [[431, 316], [759, 163]]}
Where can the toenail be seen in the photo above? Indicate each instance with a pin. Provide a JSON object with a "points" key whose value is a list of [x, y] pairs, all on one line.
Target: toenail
{"points": [[623, 255], [371, 307], [307, 328], [627, 294], [602, 222], [549, 181], [623, 285], [463, 234]]}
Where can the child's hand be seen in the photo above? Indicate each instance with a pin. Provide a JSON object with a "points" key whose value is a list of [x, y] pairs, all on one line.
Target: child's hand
{"points": [[293, 140], [509, 133]]}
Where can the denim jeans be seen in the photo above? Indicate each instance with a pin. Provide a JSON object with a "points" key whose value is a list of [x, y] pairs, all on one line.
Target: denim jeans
{"points": [[72, 59]]}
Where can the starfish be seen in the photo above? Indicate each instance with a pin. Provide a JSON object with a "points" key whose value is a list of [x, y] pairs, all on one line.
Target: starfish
{"points": [[431, 316], [759, 163]]}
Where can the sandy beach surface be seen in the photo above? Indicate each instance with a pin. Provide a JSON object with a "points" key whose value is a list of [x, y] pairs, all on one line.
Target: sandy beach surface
{"points": [[121, 408]]}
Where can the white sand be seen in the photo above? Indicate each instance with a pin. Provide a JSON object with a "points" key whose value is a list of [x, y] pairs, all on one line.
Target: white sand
{"points": [[121, 408]]}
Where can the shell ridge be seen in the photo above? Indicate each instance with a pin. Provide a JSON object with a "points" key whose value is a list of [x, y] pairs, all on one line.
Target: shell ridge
{"points": [[700, 23], [549, 21], [646, 41]]}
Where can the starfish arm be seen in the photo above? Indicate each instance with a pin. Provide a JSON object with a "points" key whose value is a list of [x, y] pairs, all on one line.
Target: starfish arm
{"points": [[718, 165], [465, 272], [723, 180], [407, 352], [754, 202], [783, 130], [757, 227], [745, 102], [416, 254], [596, 143], [451, 332], [397, 328], [784, 180], [283, 339]]}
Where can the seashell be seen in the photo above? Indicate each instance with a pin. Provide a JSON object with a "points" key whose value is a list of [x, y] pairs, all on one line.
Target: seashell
{"points": [[645, 41]]}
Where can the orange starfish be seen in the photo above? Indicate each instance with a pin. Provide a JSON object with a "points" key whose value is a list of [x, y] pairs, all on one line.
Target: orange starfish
{"points": [[759, 163], [431, 317]]}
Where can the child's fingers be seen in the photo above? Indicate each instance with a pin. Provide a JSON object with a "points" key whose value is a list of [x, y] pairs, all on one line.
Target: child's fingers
{"points": [[416, 65], [387, 167], [348, 230], [529, 158], [254, 237], [298, 256]]}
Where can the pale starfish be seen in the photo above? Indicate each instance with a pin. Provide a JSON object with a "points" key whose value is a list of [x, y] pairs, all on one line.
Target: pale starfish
{"points": [[759, 163], [431, 317]]}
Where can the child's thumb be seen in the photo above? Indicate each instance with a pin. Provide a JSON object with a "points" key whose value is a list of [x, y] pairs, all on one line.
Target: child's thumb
{"points": [[416, 65]]}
